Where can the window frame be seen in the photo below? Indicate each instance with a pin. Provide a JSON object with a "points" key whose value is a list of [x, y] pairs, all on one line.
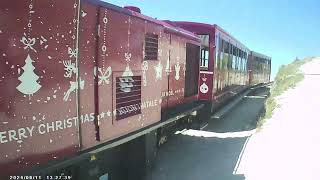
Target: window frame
{"points": [[204, 62]]}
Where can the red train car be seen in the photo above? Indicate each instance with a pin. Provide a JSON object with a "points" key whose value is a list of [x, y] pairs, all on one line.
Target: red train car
{"points": [[260, 68], [79, 77], [223, 62], [76, 74]]}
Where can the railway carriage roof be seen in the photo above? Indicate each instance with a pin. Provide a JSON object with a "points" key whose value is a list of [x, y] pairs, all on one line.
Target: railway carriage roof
{"points": [[168, 27], [207, 28], [260, 55]]}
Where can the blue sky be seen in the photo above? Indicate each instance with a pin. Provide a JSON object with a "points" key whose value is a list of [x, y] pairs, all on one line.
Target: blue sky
{"points": [[283, 29]]}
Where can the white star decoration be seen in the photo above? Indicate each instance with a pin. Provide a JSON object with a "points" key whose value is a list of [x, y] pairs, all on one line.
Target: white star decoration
{"points": [[102, 115]]}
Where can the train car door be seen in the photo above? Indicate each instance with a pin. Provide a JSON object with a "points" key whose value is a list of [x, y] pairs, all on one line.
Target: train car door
{"points": [[192, 70]]}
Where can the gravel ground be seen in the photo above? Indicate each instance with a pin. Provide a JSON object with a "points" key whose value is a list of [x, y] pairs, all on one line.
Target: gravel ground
{"points": [[288, 146]]}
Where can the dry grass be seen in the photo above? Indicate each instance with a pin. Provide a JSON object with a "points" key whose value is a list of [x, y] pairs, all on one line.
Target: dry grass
{"points": [[287, 77]]}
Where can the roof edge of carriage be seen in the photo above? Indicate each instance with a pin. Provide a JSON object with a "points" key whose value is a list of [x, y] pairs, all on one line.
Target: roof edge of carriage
{"points": [[260, 55], [170, 28], [205, 28]]}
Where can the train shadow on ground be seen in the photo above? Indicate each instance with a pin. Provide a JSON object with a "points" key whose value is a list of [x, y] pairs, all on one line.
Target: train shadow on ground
{"points": [[214, 151]]}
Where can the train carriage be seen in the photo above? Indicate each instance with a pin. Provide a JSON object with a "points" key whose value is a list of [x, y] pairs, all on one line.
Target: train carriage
{"points": [[260, 68], [223, 62], [100, 72]]}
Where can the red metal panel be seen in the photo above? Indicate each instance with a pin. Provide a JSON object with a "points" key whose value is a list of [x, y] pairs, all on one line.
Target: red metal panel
{"points": [[88, 62], [121, 44], [175, 70], [38, 115], [206, 77], [176, 77], [39, 88], [165, 51]]}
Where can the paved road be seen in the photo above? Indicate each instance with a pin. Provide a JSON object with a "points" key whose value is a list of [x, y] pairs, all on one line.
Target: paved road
{"points": [[213, 152]]}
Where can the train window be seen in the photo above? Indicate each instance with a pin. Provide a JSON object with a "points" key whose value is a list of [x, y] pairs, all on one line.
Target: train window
{"points": [[237, 59], [229, 63], [237, 52], [221, 44], [234, 51], [246, 66], [204, 60], [217, 43], [226, 47], [217, 61], [151, 46], [225, 56], [240, 65], [234, 62], [230, 57], [231, 49]]}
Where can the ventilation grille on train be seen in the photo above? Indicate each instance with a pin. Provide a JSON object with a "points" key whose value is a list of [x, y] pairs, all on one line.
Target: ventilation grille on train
{"points": [[128, 96], [151, 47]]}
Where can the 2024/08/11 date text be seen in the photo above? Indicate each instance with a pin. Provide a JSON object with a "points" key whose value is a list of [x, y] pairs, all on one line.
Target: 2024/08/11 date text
{"points": [[40, 177]]}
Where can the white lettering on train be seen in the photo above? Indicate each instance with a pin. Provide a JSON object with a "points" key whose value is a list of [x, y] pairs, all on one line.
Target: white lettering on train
{"points": [[15, 135], [128, 109], [41, 129], [11, 135]]}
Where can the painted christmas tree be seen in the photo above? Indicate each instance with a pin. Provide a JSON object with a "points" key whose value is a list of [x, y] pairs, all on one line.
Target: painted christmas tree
{"points": [[29, 84]]}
